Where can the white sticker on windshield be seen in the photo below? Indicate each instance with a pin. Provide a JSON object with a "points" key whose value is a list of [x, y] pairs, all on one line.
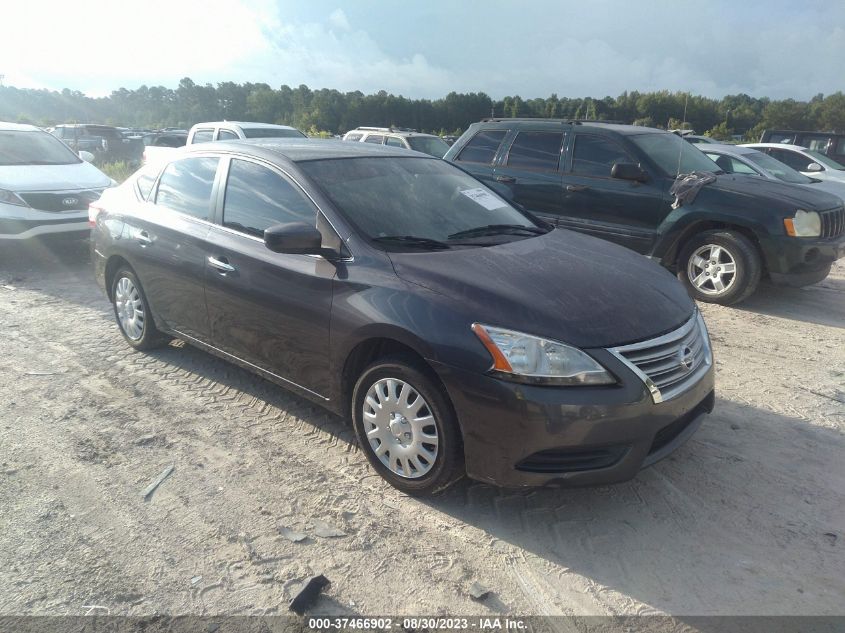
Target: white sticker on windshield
{"points": [[484, 198]]}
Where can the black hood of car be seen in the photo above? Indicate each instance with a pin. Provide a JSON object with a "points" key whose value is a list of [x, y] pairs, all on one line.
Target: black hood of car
{"points": [[562, 285], [757, 191]]}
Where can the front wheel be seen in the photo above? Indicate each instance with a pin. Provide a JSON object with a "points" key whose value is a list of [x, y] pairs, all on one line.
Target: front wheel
{"points": [[406, 426], [721, 267]]}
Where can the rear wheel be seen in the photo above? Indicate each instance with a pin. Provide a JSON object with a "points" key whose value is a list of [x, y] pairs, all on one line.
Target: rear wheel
{"points": [[720, 267], [406, 426], [133, 312]]}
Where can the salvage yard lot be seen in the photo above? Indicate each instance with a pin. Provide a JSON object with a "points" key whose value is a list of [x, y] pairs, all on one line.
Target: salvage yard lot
{"points": [[747, 518]]}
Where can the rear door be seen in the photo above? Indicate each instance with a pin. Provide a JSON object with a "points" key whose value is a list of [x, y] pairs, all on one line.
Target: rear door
{"points": [[166, 243], [621, 211], [269, 309], [530, 170]]}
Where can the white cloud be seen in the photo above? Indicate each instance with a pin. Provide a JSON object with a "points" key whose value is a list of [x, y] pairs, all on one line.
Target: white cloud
{"points": [[338, 20]]}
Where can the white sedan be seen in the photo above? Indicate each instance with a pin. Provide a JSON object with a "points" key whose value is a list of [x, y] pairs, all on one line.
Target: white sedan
{"points": [[809, 162]]}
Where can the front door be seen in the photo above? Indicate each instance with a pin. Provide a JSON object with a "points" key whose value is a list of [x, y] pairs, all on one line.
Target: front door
{"points": [[272, 310], [621, 211]]}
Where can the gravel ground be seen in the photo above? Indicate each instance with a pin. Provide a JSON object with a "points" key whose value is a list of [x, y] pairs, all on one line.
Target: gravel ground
{"points": [[747, 518]]}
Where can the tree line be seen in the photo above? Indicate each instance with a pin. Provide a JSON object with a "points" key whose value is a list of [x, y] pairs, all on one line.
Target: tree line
{"points": [[329, 111]]}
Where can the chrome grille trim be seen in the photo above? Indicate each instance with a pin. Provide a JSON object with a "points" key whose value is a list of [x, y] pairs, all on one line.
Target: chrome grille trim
{"points": [[833, 222], [658, 364]]}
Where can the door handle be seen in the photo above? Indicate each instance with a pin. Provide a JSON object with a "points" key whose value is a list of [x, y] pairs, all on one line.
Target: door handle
{"points": [[577, 187], [143, 238], [508, 180], [221, 265]]}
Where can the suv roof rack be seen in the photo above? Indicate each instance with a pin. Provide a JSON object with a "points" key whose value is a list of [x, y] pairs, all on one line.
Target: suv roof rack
{"points": [[364, 128], [540, 118]]}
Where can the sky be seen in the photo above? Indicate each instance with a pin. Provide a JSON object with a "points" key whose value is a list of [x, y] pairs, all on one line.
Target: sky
{"points": [[426, 49]]}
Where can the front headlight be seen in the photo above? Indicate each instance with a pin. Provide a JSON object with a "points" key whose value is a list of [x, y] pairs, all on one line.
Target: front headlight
{"points": [[804, 224], [10, 197], [526, 358]]}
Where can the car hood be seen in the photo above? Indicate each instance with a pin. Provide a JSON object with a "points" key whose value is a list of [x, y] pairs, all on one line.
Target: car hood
{"points": [[771, 191], [834, 187], [52, 177], [563, 285]]}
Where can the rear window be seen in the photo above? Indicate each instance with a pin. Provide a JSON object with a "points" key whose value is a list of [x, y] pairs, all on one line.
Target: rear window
{"points": [[536, 150], [482, 147], [431, 145], [34, 148], [203, 136], [272, 132]]}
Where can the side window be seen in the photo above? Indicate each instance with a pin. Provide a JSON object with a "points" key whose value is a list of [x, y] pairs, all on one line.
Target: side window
{"points": [[731, 165], [374, 138], [185, 186], [739, 167], [258, 198], [394, 141], [203, 136], [353, 137], [482, 147], [840, 147], [595, 155], [536, 150], [818, 143], [793, 159], [226, 135], [145, 181]]}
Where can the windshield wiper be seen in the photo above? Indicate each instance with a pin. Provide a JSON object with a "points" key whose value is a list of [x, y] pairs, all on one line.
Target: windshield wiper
{"points": [[413, 241], [498, 229]]}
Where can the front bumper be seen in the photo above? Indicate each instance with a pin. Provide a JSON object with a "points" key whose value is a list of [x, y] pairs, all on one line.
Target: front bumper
{"points": [[518, 435], [801, 260], [23, 223]]}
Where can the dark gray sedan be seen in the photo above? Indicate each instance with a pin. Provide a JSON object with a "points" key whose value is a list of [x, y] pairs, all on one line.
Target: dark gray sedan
{"points": [[456, 331]]}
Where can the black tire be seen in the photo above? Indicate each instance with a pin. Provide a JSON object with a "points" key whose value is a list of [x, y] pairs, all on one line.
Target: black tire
{"points": [[734, 247], [448, 465], [150, 337]]}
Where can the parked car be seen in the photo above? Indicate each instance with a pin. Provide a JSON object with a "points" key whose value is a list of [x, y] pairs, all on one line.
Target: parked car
{"points": [[698, 140], [809, 162], [457, 331], [222, 131], [613, 181], [830, 144], [45, 188], [158, 144], [104, 141], [735, 159], [397, 137]]}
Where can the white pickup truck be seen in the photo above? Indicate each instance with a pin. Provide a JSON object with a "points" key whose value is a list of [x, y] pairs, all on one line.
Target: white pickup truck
{"points": [[223, 131]]}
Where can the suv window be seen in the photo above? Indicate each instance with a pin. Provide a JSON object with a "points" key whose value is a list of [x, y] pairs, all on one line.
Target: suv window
{"points": [[227, 135], [203, 136], [353, 137], [817, 143], [795, 160], [258, 198], [536, 150], [185, 186], [374, 138], [482, 147], [595, 155], [394, 141]]}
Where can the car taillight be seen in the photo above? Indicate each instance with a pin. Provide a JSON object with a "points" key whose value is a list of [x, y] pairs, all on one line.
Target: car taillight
{"points": [[93, 211]]}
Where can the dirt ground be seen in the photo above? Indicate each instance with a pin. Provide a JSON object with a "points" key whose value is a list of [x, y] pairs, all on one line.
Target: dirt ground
{"points": [[747, 518]]}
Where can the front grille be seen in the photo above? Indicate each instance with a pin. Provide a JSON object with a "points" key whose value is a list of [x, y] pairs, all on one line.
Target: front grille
{"points": [[670, 364], [833, 222], [56, 201]]}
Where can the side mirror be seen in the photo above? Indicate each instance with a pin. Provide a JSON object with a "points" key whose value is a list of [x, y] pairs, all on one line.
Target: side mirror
{"points": [[814, 167], [88, 157], [628, 171], [295, 238]]}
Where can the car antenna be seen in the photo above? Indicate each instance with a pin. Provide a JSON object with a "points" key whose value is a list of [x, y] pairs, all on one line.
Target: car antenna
{"points": [[681, 147]]}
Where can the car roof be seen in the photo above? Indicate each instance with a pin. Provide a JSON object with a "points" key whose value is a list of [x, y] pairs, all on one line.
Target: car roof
{"points": [[620, 128], [18, 127], [386, 132], [245, 125], [800, 148], [302, 149]]}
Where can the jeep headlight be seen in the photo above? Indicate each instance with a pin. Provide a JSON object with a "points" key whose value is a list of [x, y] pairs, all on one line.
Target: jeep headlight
{"points": [[803, 224], [526, 358]]}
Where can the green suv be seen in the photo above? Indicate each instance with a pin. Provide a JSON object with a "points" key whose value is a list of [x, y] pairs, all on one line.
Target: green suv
{"points": [[614, 181]]}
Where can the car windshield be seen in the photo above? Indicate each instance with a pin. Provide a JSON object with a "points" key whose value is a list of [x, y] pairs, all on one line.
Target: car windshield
{"points": [[25, 147], [432, 145], [673, 154], [779, 170], [421, 201], [824, 160], [271, 132]]}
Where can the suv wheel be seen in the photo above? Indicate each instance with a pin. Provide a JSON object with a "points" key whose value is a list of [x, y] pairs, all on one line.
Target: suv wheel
{"points": [[406, 426], [133, 312], [720, 267]]}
